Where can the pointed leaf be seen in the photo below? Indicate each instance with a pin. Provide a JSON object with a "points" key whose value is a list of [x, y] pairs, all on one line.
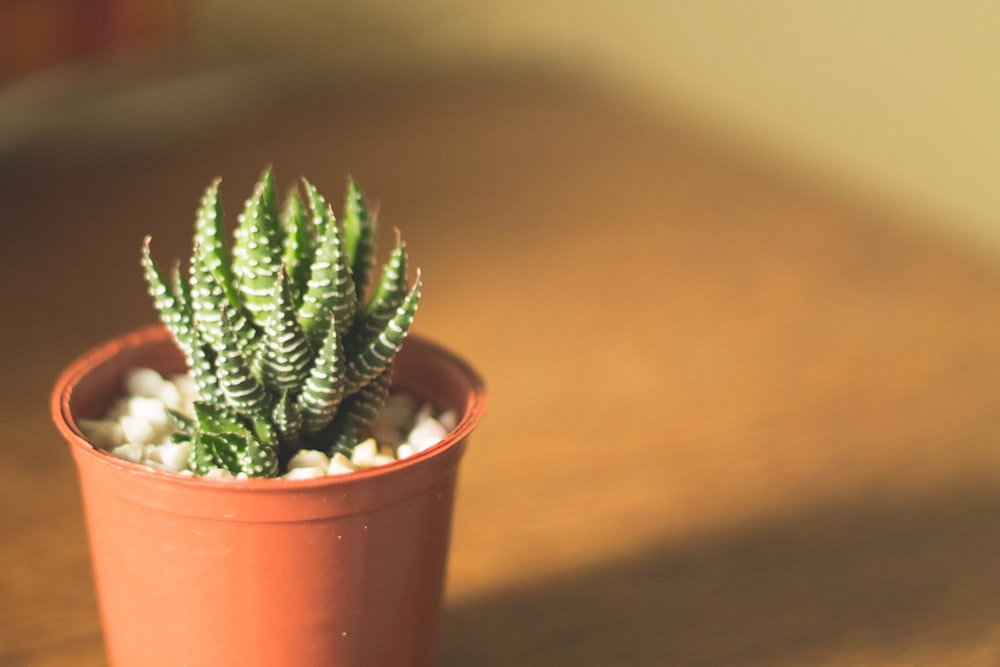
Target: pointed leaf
{"points": [[378, 353], [257, 249], [214, 418], [257, 459], [299, 244], [330, 293], [359, 238], [287, 419], [207, 299], [324, 387], [286, 355], [202, 457], [388, 296], [209, 246], [242, 391], [166, 302]]}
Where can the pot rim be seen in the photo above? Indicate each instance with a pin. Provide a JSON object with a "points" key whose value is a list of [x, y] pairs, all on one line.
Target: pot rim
{"points": [[103, 352]]}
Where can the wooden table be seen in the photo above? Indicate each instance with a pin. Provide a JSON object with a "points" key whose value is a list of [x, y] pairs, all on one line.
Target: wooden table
{"points": [[735, 419]]}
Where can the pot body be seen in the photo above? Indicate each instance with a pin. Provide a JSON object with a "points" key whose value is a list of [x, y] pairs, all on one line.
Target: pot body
{"points": [[344, 570]]}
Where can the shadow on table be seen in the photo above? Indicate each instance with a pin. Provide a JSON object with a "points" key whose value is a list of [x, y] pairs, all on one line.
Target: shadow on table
{"points": [[854, 579]]}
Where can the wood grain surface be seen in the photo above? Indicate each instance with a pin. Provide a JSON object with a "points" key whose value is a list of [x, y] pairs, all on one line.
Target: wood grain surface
{"points": [[736, 419]]}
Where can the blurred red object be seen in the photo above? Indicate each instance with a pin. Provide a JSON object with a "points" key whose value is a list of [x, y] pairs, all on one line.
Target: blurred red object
{"points": [[36, 34]]}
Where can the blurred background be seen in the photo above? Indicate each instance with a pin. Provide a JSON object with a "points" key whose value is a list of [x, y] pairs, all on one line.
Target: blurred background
{"points": [[730, 271], [894, 97]]}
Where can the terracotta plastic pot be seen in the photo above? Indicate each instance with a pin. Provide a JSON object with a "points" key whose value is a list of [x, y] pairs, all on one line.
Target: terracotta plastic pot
{"points": [[342, 570]]}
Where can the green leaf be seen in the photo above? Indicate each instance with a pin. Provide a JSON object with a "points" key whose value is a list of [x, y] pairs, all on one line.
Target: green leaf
{"points": [[341, 436], [359, 238], [209, 246], [363, 406], [207, 300], [257, 459], [202, 457], [287, 419], [324, 387], [166, 302], [378, 353], [242, 391], [184, 424], [299, 244], [215, 418], [257, 249], [200, 357], [330, 295], [388, 296], [286, 355]]}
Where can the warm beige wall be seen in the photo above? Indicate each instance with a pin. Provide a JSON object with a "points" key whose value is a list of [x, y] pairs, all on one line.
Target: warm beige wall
{"points": [[900, 97]]}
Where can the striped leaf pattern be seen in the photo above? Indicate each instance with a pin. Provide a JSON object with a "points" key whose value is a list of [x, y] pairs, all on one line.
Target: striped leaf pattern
{"points": [[209, 247], [287, 418], [388, 296], [378, 353], [242, 391], [281, 345], [359, 238], [299, 244], [166, 303], [286, 355], [257, 249], [324, 387], [362, 407], [329, 293]]}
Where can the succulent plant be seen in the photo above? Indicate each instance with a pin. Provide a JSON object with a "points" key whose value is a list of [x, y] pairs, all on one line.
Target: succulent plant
{"points": [[284, 349]]}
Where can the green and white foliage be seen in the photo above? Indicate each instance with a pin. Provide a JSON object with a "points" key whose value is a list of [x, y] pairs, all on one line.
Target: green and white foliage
{"points": [[284, 349]]}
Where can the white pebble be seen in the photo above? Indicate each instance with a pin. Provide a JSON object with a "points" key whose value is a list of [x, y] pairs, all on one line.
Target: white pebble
{"points": [[340, 464], [385, 432], [405, 450], [136, 429], [104, 433], [150, 409], [448, 419], [118, 409], [426, 433], [217, 473], [425, 412], [143, 382], [171, 396], [305, 472], [171, 456], [132, 451], [186, 386], [382, 459], [309, 458], [363, 454]]}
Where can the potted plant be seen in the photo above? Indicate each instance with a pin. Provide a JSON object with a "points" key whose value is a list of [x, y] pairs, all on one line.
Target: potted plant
{"points": [[222, 563]]}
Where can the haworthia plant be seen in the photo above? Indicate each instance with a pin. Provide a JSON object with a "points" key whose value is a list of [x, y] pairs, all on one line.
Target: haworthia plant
{"points": [[278, 337]]}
